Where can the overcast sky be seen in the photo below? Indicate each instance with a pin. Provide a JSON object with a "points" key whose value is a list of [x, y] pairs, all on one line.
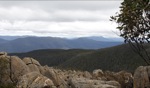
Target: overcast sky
{"points": [[58, 18]]}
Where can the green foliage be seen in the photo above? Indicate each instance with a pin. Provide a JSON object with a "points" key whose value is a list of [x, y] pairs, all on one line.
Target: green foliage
{"points": [[134, 20], [134, 25]]}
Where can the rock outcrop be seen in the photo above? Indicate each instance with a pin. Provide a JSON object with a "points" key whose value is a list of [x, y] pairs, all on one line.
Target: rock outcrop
{"points": [[98, 73], [142, 77], [34, 80], [32, 64], [92, 83], [124, 78], [28, 73], [54, 75], [17, 68], [3, 54]]}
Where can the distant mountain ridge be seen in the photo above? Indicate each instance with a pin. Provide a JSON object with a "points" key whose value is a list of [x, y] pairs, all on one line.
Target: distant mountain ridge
{"points": [[97, 38], [12, 37], [26, 44], [2, 40], [100, 38]]}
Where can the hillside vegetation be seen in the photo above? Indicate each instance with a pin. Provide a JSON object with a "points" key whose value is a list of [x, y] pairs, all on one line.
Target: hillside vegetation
{"points": [[113, 59], [52, 57]]}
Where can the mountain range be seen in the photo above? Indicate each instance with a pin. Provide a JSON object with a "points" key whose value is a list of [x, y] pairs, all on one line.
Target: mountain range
{"points": [[97, 38], [29, 43], [2, 40], [100, 38]]}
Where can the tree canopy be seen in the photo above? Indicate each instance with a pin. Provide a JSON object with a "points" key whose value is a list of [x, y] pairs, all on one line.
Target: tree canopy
{"points": [[134, 25], [134, 20]]}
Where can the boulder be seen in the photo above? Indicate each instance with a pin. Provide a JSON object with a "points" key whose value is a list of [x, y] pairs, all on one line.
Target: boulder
{"points": [[88, 83], [124, 78], [17, 68], [32, 64], [86, 74], [29, 60], [98, 73], [34, 80], [4, 70], [3, 54], [141, 77], [54, 75]]}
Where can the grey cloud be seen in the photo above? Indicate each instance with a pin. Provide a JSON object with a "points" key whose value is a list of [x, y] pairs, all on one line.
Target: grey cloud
{"points": [[67, 5], [40, 15], [19, 13], [89, 5], [50, 10]]}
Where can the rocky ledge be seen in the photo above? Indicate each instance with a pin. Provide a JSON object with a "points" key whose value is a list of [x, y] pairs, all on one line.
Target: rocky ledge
{"points": [[28, 73]]}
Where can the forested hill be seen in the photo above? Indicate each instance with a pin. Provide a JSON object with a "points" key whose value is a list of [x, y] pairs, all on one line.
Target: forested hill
{"points": [[52, 57], [113, 59]]}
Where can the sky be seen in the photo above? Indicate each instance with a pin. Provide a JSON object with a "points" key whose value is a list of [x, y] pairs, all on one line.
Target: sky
{"points": [[61, 18]]}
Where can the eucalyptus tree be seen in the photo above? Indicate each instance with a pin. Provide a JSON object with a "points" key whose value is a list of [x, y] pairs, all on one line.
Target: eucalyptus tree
{"points": [[133, 21]]}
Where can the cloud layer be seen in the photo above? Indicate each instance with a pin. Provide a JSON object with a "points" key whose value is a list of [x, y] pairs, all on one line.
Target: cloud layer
{"points": [[58, 18]]}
